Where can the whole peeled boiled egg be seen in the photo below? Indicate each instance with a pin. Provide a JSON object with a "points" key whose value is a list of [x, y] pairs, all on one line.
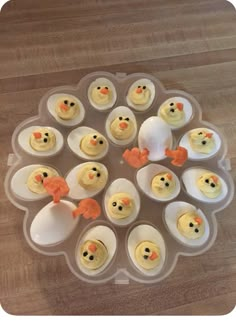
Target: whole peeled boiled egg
{"points": [[155, 135]]}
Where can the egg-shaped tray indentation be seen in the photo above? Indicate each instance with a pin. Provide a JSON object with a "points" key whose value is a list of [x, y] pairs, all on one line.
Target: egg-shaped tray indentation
{"points": [[107, 237], [172, 213], [74, 141], [24, 141], [139, 234], [73, 121]]}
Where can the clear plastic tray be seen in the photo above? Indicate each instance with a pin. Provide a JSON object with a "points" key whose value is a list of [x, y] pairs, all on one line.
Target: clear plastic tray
{"points": [[121, 268]]}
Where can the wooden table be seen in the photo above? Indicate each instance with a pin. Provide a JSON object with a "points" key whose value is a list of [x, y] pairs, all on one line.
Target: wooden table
{"points": [[189, 45]]}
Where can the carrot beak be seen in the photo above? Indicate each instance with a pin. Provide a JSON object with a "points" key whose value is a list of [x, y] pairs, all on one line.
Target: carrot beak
{"points": [[104, 90], [180, 106], [91, 176], [169, 176], [126, 201], [209, 135], [215, 179], [38, 178], [123, 125], [153, 256], [64, 107], [37, 135], [92, 247], [198, 220], [139, 90], [93, 142]]}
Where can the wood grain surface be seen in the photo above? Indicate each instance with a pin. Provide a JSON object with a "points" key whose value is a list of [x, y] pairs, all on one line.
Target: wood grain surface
{"points": [[189, 45]]}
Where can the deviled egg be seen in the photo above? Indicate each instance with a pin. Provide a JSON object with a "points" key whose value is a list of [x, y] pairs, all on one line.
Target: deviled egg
{"points": [[102, 94], [141, 94]]}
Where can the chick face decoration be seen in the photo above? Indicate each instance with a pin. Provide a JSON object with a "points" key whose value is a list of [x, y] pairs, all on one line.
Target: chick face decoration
{"points": [[120, 205], [102, 95], [93, 254], [147, 255], [173, 113], [210, 185], [140, 95], [43, 139], [93, 144], [92, 176], [202, 141], [122, 128], [163, 184], [67, 108], [36, 178], [191, 225]]}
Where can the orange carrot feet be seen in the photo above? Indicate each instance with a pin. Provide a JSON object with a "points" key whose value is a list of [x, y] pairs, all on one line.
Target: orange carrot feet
{"points": [[57, 187], [135, 157], [180, 156], [88, 208]]}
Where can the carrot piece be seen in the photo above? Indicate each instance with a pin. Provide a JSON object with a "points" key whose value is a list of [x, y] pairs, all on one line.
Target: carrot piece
{"points": [[57, 187], [135, 157], [88, 208], [180, 155]]}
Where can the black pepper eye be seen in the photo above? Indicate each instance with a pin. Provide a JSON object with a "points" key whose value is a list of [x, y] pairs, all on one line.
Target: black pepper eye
{"points": [[66, 101], [45, 140], [144, 87], [72, 104], [94, 168], [94, 137], [120, 118], [91, 257], [45, 174], [46, 134], [145, 257], [191, 224], [106, 87], [120, 208], [196, 230], [98, 174], [101, 142], [212, 185], [171, 104], [207, 181], [85, 254], [127, 119], [114, 204], [139, 86], [147, 249], [167, 184], [162, 179], [99, 87], [200, 133], [204, 142], [172, 110]]}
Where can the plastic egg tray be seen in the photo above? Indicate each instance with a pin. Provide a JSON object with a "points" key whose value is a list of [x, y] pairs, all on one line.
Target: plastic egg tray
{"points": [[121, 268]]}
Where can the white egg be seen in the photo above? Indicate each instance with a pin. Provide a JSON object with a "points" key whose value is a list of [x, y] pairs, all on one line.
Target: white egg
{"points": [[187, 111], [193, 155], [121, 112], [74, 142], [155, 135], [76, 190], [122, 185], [53, 224], [142, 233], [145, 176], [100, 82], [173, 211], [51, 104], [190, 178], [19, 183], [150, 86], [24, 142], [107, 237]]}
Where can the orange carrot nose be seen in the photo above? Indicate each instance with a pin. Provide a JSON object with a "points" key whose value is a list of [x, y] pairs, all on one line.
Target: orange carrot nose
{"points": [[38, 178], [123, 125], [125, 201], [64, 107], [180, 106], [104, 90], [153, 256], [215, 179], [139, 90], [93, 142], [198, 220], [169, 176], [92, 247], [209, 134], [91, 176], [37, 135]]}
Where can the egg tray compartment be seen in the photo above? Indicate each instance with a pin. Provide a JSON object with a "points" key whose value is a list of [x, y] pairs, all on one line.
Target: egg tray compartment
{"points": [[121, 269]]}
